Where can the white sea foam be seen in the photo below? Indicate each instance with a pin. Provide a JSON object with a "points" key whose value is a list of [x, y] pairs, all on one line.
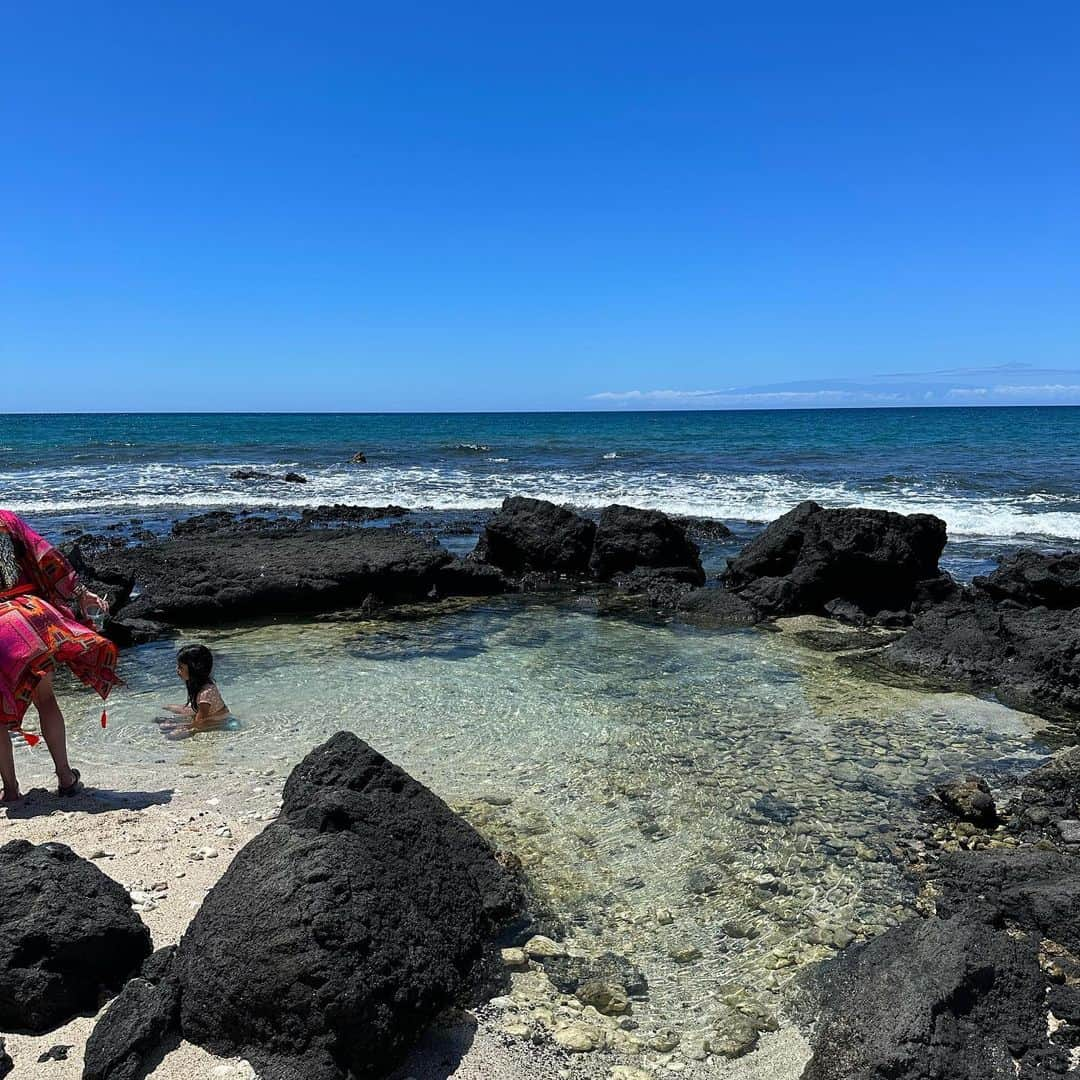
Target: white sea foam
{"points": [[758, 497]]}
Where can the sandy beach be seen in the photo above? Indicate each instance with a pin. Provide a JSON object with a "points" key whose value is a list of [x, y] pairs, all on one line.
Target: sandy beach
{"points": [[168, 835]]}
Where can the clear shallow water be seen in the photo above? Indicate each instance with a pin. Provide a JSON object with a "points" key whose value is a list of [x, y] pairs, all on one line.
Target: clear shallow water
{"points": [[745, 785], [995, 474]]}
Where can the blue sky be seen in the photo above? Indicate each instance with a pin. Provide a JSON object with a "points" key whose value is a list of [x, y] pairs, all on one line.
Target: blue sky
{"points": [[419, 206]]}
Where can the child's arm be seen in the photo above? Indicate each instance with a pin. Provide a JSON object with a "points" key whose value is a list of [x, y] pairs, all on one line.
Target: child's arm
{"points": [[180, 710]]}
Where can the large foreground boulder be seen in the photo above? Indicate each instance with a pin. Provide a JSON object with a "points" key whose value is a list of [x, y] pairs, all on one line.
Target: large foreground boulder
{"points": [[849, 562], [68, 934], [336, 935], [1011, 634], [214, 576], [533, 535], [629, 539]]}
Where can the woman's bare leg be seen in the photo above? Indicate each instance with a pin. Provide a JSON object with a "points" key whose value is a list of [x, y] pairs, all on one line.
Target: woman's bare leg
{"points": [[53, 730], [7, 767]]}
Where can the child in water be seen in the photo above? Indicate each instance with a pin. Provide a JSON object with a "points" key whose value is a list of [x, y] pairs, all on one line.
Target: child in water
{"points": [[205, 709]]}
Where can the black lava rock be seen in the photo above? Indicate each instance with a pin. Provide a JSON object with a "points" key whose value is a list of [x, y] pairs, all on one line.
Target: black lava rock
{"points": [[67, 934], [717, 608], [933, 1000], [135, 1023], [629, 539], [872, 560], [535, 535], [1033, 890], [343, 512], [1027, 657], [1033, 579], [969, 799], [207, 576], [334, 937]]}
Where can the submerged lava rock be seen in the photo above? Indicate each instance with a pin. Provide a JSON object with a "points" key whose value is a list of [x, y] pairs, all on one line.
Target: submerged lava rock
{"points": [[629, 539], [536, 535], [716, 608], [1011, 634], [858, 562], [67, 934], [969, 799], [6, 1064], [337, 934], [570, 973]]}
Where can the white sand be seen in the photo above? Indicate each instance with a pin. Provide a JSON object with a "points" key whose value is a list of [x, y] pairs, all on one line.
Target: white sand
{"points": [[151, 824]]}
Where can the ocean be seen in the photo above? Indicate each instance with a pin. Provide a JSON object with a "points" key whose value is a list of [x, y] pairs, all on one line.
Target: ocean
{"points": [[1002, 475]]}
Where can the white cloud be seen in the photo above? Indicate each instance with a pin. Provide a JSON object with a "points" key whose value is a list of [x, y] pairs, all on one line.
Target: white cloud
{"points": [[1050, 388], [748, 397]]}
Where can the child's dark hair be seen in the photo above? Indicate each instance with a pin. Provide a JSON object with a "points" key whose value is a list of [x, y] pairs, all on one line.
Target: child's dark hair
{"points": [[199, 661]]}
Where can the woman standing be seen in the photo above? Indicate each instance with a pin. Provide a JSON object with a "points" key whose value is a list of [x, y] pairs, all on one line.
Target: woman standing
{"points": [[38, 629]]}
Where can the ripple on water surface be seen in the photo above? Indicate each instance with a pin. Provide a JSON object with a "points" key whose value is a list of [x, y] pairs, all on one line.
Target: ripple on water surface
{"points": [[721, 808]]}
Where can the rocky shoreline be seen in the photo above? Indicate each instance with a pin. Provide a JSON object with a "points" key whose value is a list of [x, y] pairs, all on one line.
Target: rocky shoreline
{"points": [[981, 985], [1014, 633]]}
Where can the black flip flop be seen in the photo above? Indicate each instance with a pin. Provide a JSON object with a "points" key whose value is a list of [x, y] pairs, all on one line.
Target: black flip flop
{"points": [[74, 788]]}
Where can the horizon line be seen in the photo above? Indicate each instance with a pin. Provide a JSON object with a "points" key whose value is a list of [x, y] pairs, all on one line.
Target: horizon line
{"points": [[548, 412]]}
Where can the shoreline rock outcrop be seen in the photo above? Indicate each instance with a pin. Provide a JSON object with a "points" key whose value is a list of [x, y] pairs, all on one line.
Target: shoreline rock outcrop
{"points": [[536, 537], [855, 564], [1014, 633], [200, 578]]}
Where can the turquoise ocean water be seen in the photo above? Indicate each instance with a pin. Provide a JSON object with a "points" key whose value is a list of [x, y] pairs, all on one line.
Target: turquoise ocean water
{"points": [[991, 473]]}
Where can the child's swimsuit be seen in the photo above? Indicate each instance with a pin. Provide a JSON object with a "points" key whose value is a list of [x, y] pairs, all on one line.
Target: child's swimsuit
{"points": [[219, 711]]}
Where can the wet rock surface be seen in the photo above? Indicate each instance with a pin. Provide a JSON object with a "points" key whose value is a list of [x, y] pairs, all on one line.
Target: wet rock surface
{"points": [[865, 563], [969, 798], [337, 934], [67, 935], [716, 608], [1009, 633], [206, 577]]}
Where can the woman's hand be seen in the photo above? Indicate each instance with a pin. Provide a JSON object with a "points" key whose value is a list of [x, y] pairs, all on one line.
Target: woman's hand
{"points": [[89, 602]]}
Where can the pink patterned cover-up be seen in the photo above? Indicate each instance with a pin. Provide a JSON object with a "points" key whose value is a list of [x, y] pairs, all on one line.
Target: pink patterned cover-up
{"points": [[38, 628]]}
